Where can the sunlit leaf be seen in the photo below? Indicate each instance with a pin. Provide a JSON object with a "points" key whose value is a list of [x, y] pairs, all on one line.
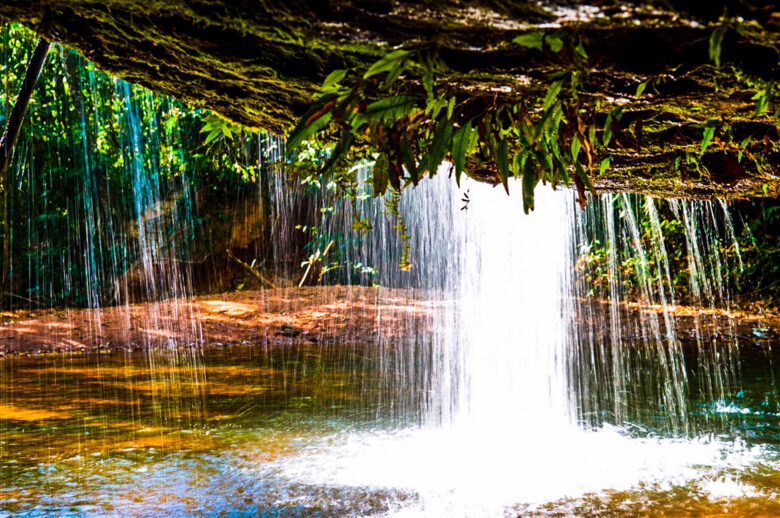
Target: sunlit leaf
{"points": [[442, 139], [576, 145], [604, 165], [716, 40], [709, 133], [554, 42], [386, 63], [531, 40], [333, 79], [552, 94], [641, 88], [460, 145]]}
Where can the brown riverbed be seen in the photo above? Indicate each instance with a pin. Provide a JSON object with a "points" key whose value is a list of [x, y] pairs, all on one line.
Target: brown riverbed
{"points": [[274, 316], [286, 315]]}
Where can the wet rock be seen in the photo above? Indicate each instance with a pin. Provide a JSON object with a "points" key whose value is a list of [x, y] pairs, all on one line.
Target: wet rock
{"points": [[288, 331]]}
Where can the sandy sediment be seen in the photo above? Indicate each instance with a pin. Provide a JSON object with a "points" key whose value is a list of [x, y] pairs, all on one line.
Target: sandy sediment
{"points": [[278, 316], [326, 314]]}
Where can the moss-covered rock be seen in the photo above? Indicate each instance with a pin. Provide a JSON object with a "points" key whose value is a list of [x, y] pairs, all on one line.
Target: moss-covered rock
{"points": [[260, 64]]}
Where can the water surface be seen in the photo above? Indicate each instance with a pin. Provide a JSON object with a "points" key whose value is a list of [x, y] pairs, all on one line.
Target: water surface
{"points": [[334, 431]]}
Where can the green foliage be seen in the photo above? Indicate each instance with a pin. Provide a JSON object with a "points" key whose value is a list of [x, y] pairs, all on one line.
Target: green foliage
{"points": [[709, 133], [216, 127], [561, 129], [462, 143], [99, 161], [412, 132], [716, 39], [538, 40]]}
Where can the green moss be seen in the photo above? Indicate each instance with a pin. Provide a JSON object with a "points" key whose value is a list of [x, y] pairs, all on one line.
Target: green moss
{"points": [[261, 66]]}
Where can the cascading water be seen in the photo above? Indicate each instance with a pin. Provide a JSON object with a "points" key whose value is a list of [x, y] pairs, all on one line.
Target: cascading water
{"points": [[621, 242], [507, 337], [520, 382]]}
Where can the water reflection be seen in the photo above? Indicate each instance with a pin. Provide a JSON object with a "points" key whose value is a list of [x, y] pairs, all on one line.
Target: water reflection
{"points": [[316, 431]]}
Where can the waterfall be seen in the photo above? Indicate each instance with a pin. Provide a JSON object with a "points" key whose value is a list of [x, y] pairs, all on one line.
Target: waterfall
{"points": [[528, 378], [515, 308], [516, 312], [610, 377], [562, 353], [508, 331]]}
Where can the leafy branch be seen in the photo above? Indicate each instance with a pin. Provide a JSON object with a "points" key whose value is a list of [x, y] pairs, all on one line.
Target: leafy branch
{"points": [[399, 115]]}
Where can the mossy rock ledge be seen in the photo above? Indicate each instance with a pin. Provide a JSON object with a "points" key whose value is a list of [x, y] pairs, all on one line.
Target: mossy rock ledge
{"points": [[260, 64]]}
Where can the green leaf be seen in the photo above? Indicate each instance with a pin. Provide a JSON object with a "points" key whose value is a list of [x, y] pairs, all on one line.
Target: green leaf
{"points": [[333, 79], [442, 139], [212, 135], [460, 146], [304, 131], [604, 165], [552, 94], [563, 171], [380, 175], [576, 145], [409, 162], [641, 88], [515, 164], [554, 42], [531, 40], [529, 183], [585, 177], [709, 133], [386, 63], [607, 136], [390, 107], [580, 50], [339, 150], [502, 161], [434, 106], [427, 80], [716, 39], [394, 74], [763, 101], [296, 138], [742, 146]]}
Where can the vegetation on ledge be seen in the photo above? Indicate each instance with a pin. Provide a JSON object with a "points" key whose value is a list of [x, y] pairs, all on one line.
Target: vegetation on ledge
{"points": [[674, 99]]}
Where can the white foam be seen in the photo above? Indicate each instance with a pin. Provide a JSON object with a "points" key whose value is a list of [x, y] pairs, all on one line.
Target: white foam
{"points": [[470, 471]]}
